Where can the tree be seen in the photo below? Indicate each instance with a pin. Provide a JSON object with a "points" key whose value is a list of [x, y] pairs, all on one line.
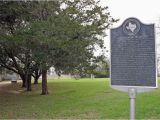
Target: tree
{"points": [[102, 69], [61, 33], [14, 16]]}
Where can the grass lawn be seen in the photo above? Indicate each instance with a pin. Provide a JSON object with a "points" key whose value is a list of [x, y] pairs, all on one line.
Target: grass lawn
{"points": [[75, 99]]}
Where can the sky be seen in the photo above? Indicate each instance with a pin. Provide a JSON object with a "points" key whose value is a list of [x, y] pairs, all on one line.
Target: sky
{"points": [[147, 11]]}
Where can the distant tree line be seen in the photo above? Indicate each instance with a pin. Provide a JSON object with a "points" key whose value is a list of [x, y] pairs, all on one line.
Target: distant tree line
{"points": [[37, 35]]}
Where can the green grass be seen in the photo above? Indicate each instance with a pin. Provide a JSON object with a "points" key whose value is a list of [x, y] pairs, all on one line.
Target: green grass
{"points": [[75, 99]]}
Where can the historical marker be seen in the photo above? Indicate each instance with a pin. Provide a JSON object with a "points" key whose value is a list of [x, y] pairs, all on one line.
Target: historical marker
{"points": [[133, 59], [133, 55]]}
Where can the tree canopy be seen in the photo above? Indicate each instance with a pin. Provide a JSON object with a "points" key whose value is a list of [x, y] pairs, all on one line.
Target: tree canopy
{"points": [[37, 35]]}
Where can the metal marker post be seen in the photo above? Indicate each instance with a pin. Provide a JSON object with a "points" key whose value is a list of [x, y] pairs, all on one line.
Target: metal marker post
{"points": [[132, 97]]}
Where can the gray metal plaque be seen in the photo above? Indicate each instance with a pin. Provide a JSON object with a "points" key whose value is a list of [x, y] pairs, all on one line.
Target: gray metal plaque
{"points": [[133, 54]]}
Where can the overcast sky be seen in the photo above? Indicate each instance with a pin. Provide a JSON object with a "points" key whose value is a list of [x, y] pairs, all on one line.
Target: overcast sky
{"points": [[147, 11]]}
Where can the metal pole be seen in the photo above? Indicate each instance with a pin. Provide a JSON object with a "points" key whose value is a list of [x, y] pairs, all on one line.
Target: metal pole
{"points": [[132, 97]]}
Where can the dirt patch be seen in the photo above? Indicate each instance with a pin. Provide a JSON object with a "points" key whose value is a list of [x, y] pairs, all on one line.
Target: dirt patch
{"points": [[12, 88]]}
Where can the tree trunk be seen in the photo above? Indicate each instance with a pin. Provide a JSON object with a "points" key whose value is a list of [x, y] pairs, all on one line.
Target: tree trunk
{"points": [[36, 80], [36, 75], [28, 82], [44, 83], [23, 81]]}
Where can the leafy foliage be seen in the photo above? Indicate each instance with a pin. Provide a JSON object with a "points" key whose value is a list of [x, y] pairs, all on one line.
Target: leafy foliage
{"points": [[63, 34]]}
